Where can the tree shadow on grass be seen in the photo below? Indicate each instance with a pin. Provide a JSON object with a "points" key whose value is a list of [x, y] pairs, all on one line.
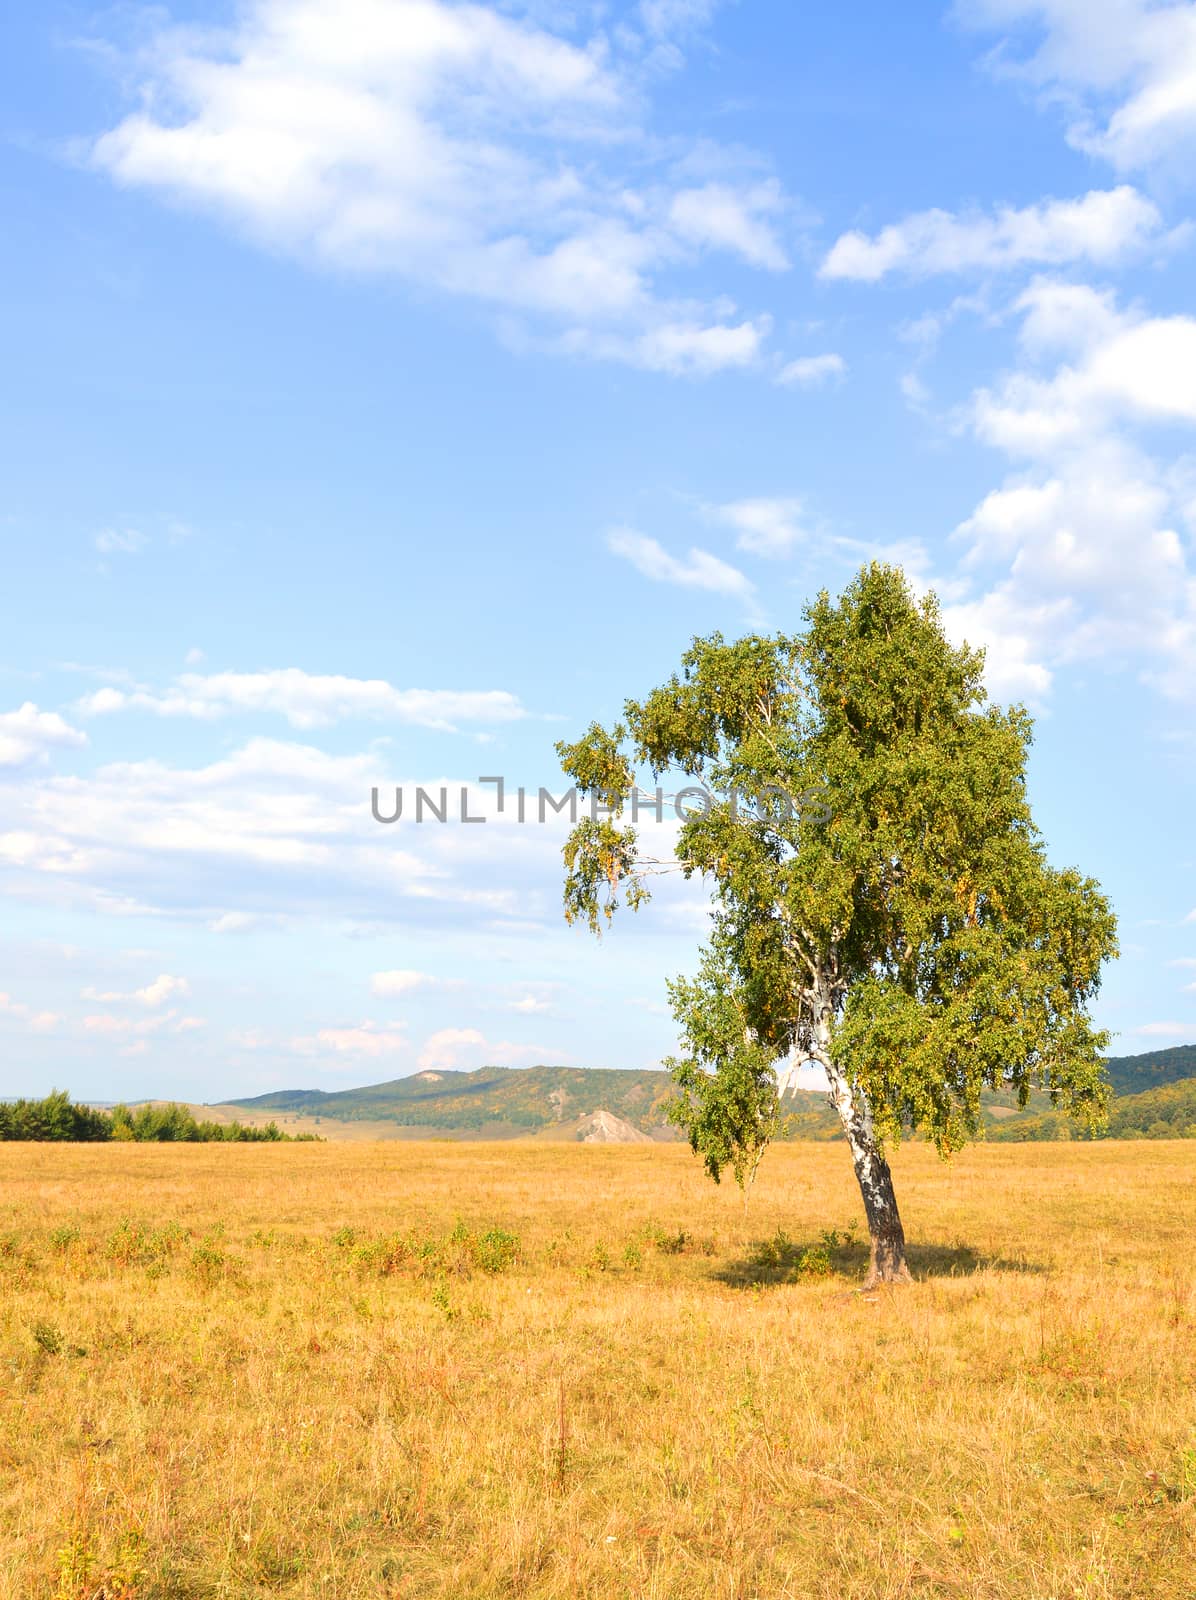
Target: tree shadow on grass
{"points": [[844, 1254]]}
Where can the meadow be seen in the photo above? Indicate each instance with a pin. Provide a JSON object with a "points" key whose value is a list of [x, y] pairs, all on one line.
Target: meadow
{"points": [[480, 1370]]}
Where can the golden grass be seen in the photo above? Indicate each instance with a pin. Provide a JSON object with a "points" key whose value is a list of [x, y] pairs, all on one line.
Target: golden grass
{"points": [[230, 1397]]}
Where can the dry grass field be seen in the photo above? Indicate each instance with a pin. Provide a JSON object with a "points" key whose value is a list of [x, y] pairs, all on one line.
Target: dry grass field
{"points": [[434, 1370]]}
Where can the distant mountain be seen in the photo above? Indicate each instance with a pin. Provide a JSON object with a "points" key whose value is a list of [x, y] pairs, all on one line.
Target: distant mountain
{"points": [[563, 1101], [1153, 1069], [527, 1098], [521, 1099]]}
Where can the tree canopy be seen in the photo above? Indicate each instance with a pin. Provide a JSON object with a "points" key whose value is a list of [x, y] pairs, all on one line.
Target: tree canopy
{"points": [[882, 900]]}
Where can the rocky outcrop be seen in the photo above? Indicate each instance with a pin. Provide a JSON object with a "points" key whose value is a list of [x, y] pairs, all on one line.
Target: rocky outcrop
{"points": [[603, 1127]]}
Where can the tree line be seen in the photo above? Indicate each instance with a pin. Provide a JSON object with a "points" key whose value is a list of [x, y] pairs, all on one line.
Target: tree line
{"points": [[59, 1118]]}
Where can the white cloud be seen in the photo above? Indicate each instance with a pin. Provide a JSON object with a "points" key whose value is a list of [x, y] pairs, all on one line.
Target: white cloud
{"points": [[271, 834], [164, 987], [455, 1049], [763, 526], [1089, 532], [443, 1049], [1167, 1030], [1104, 226], [530, 1005], [459, 147], [1012, 638], [116, 1027], [682, 349], [1125, 368], [120, 541], [233, 922], [699, 570], [809, 372], [1124, 71], [35, 1021], [510, 1053], [724, 218], [308, 700], [674, 16], [368, 1039], [399, 982], [27, 735]]}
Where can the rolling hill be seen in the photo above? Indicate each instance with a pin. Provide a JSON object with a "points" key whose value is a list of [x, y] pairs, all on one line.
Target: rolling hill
{"points": [[1152, 1069], [1168, 1112], [1154, 1091], [1155, 1098], [503, 1100]]}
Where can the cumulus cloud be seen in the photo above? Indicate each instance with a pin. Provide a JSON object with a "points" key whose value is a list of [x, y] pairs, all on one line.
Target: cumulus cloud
{"points": [[1013, 639], [1091, 531], [1122, 367], [698, 570], [766, 527], [1103, 226], [1124, 71], [458, 147], [401, 981], [27, 736], [308, 700], [164, 987]]}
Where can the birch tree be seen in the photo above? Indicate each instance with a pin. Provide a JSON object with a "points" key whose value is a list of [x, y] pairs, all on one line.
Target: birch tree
{"points": [[882, 904]]}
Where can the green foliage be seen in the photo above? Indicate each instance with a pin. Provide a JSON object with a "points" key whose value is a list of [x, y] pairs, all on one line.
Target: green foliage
{"points": [[54, 1118], [497, 1250], [57, 1118], [48, 1338], [1152, 1069], [210, 1264], [1165, 1113], [464, 1251], [780, 1260], [907, 930], [168, 1124], [138, 1244], [727, 1101]]}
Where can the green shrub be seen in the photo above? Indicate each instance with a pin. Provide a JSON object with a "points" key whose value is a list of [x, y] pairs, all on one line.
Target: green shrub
{"points": [[47, 1337]]}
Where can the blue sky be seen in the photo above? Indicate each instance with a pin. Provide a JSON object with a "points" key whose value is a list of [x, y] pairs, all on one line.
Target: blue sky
{"points": [[392, 387]]}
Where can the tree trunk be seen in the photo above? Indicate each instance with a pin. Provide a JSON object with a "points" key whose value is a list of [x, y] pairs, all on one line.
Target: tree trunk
{"points": [[887, 1263]]}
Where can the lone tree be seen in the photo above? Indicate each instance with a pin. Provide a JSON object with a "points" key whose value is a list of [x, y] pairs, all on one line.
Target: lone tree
{"points": [[883, 905]]}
